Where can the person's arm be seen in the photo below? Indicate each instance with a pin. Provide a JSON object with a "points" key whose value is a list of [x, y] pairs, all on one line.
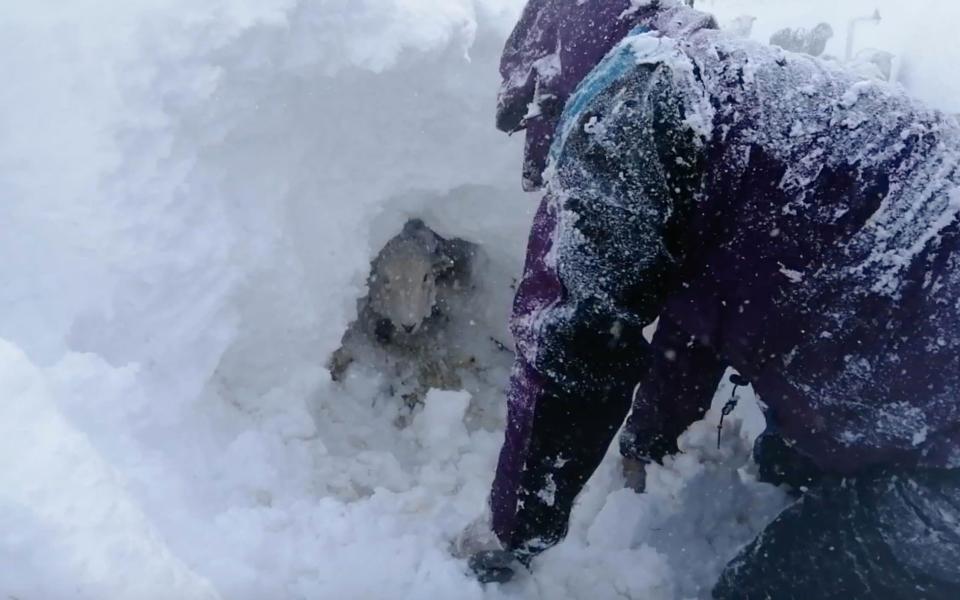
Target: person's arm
{"points": [[602, 257], [680, 384]]}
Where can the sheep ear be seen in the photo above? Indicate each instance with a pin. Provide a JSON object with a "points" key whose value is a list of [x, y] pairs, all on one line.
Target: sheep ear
{"points": [[442, 263], [417, 229], [414, 226]]}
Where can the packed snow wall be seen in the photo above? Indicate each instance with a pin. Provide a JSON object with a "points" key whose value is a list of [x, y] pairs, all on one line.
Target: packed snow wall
{"points": [[192, 196]]}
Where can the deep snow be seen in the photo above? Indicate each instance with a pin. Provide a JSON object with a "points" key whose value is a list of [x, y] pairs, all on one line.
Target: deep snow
{"points": [[192, 193]]}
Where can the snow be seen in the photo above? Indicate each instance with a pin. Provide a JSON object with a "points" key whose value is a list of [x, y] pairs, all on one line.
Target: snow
{"points": [[68, 520], [792, 274], [192, 195]]}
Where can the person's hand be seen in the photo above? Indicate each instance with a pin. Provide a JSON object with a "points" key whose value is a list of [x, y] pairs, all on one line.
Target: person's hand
{"points": [[486, 558], [476, 537], [494, 566], [635, 474]]}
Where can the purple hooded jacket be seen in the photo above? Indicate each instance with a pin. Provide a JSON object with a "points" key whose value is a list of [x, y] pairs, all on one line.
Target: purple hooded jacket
{"points": [[779, 216], [554, 46]]}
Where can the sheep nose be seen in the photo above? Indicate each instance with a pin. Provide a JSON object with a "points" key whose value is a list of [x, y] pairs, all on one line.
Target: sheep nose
{"points": [[409, 328]]}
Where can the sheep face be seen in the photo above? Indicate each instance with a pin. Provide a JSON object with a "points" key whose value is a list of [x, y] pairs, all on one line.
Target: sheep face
{"points": [[403, 286]]}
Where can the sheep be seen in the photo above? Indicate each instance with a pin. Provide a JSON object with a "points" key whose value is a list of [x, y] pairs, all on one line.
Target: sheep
{"points": [[404, 278], [812, 42], [401, 328]]}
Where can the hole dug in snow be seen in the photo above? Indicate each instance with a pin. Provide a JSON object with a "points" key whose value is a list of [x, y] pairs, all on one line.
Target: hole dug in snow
{"points": [[415, 326]]}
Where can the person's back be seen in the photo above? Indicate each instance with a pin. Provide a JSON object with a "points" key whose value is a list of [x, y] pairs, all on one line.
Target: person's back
{"points": [[780, 217], [820, 236], [815, 238]]}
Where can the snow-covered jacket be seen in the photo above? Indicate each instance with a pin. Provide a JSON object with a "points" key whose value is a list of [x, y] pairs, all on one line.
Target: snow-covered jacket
{"points": [[784, 217], [553, 47]]}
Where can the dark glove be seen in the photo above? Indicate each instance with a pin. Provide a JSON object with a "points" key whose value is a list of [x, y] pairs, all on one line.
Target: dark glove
{"points": [[779, 463], [495, 566], [635, 474]]}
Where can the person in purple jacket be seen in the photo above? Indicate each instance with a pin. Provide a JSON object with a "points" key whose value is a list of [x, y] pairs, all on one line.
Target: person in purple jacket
{"points": [[780, 217]]}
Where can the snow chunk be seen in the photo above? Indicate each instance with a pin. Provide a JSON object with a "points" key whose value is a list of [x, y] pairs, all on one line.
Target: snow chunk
{"points": [[856, 91], [791, 274], [74, 516], [439, 427]]}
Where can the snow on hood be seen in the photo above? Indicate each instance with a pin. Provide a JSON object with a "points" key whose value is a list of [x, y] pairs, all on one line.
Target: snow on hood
{"points": [[555, 44]]}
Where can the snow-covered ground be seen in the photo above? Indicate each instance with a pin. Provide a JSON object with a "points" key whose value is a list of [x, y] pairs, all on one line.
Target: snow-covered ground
{"points": [[191, 195]]}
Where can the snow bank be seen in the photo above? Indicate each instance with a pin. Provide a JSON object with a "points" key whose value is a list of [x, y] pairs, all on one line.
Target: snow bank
{"points": [[193, 195], [71, 528]]}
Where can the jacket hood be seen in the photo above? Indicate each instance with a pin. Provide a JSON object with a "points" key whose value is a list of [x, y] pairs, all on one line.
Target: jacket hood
{"points": [[554, 45]]}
